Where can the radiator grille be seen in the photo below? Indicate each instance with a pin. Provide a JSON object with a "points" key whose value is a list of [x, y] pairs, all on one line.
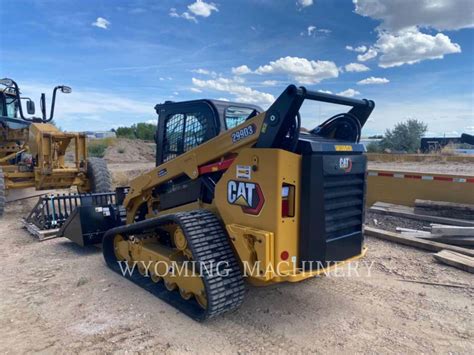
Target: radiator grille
{"points": [[343, 205]]}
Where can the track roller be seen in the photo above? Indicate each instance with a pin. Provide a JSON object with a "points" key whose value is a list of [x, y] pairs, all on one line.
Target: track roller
{"points": [[195, 270]]}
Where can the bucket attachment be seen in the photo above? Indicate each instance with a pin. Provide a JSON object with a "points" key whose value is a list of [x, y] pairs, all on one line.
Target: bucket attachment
{"points": [[51, 211], [88, 224], [82, 218]]}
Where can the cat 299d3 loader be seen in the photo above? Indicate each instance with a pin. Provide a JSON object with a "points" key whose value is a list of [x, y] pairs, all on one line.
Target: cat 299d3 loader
{"points": [[33, 151], [237, 192]]}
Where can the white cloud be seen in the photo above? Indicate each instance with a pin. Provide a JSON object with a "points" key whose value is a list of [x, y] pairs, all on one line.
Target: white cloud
{"points": [[356, 67], [201, 8], [101, 23], [412, 47], [372, 80], [174, 13], [302, 70], [371, 53], [195, 90], [349, 93], [400, 40], [269, 82], [242, 93], [223, 99], [198, 8], [241, 70], [204, 72], [360, 49], [397, 15], [304, 3], [312, 30], [186, 15]]}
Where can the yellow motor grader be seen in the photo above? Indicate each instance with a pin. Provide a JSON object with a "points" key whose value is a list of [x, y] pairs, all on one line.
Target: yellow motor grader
{"points": [[33, 151], [237, 193]]}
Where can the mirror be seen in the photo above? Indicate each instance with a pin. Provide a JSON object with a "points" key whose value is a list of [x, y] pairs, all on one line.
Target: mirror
{"points": [[6, 82], [66, 89], [30, 107]]}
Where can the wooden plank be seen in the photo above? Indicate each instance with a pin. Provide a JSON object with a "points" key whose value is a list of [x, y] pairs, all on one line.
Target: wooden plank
{"points": [[453, 231], [415, 242], [461, 241], [408, 212], [457, 260], [444, 209], [40, 234]]}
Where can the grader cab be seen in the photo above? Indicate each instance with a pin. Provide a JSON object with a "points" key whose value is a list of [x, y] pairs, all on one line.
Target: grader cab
{"points": [[33, 150]]}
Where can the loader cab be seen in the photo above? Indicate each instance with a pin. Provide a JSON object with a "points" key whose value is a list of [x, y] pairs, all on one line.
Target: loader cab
{"points": [[8, 105], [9, 116], [184, 125]]}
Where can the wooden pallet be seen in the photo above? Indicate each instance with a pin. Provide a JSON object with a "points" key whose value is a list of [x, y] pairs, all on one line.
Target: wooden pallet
{"points": [[38, 233]]}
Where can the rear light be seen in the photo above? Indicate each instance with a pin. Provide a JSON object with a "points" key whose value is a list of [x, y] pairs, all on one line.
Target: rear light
{"points": [[284, 255], [287, 201]]}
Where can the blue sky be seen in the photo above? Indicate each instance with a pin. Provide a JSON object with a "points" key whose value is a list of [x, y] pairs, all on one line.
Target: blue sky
{"points": [[415, 59]]}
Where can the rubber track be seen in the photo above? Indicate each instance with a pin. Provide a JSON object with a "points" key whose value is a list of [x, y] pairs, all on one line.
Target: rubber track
{"points": [[208, 242]]}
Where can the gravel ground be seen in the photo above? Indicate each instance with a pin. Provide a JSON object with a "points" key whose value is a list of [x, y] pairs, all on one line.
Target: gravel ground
{"points": [[59, 298], [390, 223]]}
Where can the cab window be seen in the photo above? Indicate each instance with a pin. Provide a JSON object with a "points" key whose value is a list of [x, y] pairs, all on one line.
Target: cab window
{"points": [[183, 132], [11, 106], [236, 115]]}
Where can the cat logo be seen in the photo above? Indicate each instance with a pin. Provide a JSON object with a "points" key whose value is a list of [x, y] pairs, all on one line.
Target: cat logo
{"points": [[345, 164], [247, 195]]}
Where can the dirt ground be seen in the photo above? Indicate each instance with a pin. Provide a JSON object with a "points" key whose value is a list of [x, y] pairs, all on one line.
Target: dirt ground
{"points": [[57, 298], [128, 150]]}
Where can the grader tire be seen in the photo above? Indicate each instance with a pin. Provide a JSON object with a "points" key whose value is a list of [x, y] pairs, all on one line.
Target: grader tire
{"points": [[2, 192], [99, 175]]}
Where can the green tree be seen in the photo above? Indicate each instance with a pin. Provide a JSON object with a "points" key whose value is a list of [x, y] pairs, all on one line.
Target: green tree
{"points": [[144, 131], [405, 136], [374, 147]]}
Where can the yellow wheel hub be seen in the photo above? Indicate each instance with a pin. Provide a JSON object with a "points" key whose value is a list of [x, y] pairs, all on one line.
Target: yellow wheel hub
{"points": [[180, 240], [119, 252]]}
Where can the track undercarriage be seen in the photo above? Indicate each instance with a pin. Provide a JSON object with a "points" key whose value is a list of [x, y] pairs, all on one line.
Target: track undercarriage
{"points": [[184, 259]]}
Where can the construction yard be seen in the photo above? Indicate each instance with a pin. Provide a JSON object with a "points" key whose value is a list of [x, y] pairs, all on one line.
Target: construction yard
{"points": [[58, 297]]}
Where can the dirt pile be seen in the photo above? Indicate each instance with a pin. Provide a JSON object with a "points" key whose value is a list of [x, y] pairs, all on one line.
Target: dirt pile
{"points": [[130, 150]]}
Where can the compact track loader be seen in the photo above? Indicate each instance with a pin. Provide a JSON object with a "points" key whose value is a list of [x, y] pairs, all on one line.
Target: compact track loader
{"points": [[33, 151], [237, 192]]}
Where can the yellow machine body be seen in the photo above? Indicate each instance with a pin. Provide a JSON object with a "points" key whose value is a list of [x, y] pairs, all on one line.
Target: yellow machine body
{"points": [[47, 145], [243, 188]]}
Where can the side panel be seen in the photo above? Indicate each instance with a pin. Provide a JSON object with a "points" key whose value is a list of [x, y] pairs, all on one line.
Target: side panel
{"points": [[249, 195]]}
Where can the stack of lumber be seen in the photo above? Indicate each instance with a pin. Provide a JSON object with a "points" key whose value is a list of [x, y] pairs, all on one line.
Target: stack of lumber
{"points": [[451, 234], [454, 235], [409, 212], [444, 209], [453, 255]]}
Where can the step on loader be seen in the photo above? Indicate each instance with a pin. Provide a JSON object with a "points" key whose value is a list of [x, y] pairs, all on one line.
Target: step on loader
{"points": [[237, 193]]}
